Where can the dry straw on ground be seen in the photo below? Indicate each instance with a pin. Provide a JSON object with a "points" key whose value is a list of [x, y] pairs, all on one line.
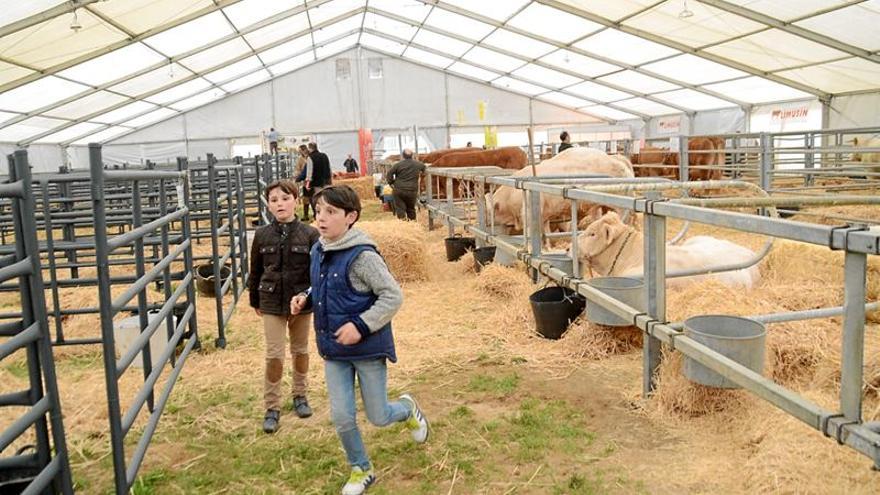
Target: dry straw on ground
{"points": [[402, 245], [363, 186]]}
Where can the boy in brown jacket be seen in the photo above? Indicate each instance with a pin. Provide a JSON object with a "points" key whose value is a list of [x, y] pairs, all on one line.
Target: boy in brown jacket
{"points": [[279, 270]]}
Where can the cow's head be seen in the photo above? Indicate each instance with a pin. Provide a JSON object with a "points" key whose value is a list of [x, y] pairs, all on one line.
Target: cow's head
{"points": [[599, 235], [507, 223]]}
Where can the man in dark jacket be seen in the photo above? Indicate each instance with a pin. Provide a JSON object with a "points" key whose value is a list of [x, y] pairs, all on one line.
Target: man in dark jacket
{"points": [[404, 178], [566, 141], [321, 174], [351, 165]]}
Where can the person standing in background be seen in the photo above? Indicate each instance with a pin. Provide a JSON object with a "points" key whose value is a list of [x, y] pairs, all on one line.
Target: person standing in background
{"points": [[566, 141], [303, 172], [273, 141], [321, 176], [404, 177], [351, 165]]}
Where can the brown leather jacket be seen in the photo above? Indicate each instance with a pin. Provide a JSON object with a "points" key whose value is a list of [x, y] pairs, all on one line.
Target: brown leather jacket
{"points": [[280, 265]]}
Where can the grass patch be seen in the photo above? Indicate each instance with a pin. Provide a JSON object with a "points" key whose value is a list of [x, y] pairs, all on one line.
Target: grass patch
{"points": [[18, 369], [499, 386], [213, 441], [372, 210]]}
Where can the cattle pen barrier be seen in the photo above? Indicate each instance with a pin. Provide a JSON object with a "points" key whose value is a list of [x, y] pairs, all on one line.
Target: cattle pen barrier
{"points": [[858, 241]]}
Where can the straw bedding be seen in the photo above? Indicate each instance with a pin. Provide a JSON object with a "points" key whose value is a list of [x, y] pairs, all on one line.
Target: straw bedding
{"points": [[363, 186], [453, 314]]}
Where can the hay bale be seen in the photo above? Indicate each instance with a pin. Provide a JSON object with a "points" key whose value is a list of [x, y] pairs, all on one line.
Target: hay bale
{"points": [[363, 186], [402, 244]]}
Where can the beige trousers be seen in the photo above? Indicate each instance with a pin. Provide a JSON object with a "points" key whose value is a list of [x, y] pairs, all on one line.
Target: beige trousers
{"points": [[276, 327]]}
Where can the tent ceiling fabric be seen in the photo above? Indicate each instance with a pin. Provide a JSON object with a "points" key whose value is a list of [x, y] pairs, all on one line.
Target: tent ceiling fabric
{"points": [[77, 71]]}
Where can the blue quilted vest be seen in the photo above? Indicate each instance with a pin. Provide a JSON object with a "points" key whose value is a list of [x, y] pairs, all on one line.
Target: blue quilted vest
{"points": [[335, 302]]}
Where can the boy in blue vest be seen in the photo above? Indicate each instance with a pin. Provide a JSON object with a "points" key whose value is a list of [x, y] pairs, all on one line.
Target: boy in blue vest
{"points": [[353, 297]]}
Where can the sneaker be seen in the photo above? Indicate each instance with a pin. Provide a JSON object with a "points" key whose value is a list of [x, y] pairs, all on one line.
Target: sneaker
{"points": [[270, 421], [417, 423], [301, 406], [359, 481]]}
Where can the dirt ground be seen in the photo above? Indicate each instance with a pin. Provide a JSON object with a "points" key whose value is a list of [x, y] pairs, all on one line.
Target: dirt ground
{"points": [[477, 367]]}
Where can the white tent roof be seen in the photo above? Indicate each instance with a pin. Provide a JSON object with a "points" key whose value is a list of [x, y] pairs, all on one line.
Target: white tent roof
{"points": [[79, 71]]}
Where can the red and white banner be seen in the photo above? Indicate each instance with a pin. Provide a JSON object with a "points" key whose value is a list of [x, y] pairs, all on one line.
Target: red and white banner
{"points": [[669, 125], [790, 114]]}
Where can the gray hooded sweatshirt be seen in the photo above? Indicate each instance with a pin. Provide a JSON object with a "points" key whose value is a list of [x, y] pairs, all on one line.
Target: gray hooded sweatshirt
{"points": [[370, 273]]}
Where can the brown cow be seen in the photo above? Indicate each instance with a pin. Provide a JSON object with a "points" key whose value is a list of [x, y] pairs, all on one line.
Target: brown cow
{"points": [[510, 157], [670, 159], [430, 157]]}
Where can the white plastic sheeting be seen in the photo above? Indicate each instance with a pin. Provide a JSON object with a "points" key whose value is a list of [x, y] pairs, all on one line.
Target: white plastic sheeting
{"points": [[176, 52], [855, 111], [41, 157], [337, 146]]}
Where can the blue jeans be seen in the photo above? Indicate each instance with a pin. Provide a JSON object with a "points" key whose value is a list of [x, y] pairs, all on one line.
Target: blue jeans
{"points": [[371, 375]]}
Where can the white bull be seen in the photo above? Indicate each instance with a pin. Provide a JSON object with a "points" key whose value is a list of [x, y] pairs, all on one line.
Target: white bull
{"points": [[507, 202], [608, 247]]}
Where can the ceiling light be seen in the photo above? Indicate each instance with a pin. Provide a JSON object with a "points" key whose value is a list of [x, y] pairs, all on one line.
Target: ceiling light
{"points": [[75, 26], [170, 69], [685, 12]]}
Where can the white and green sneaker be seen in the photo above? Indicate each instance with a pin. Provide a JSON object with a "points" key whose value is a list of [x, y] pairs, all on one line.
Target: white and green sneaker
{"points": [[417, 423], [359, 481]]}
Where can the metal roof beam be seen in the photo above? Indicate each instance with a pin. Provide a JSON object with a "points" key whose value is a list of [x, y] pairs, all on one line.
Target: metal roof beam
{"points": [[498, 73], [301, 52], [790, 28], [43, 16], [605, 120], [634, 68], [152, 92], [686, 49], [527, 60], [113, 46], [265, 22]]}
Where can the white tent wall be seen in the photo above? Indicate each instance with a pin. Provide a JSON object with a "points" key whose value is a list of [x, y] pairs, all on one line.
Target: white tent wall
{"points": [[41, 157], [337, 145], [199, 149], [855, 111], [138, 153], [173, 129], [312, 100], [406, 94], [242, 114], [723, 121]]}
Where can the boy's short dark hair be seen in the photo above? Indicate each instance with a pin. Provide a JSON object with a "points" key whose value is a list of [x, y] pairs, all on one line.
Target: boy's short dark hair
{"points": [[342, 197], [285, 185], [563, 135]]}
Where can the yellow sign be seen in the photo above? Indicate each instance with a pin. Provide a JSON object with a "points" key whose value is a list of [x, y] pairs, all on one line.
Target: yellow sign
{"points": [[481, 110], [459, 117], [490, 136]]}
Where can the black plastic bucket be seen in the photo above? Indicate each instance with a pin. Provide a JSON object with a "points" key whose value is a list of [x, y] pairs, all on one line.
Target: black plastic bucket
{"points": [[16, 480], [483, 256], [205, 278], [457, 245], [554, 309]]}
